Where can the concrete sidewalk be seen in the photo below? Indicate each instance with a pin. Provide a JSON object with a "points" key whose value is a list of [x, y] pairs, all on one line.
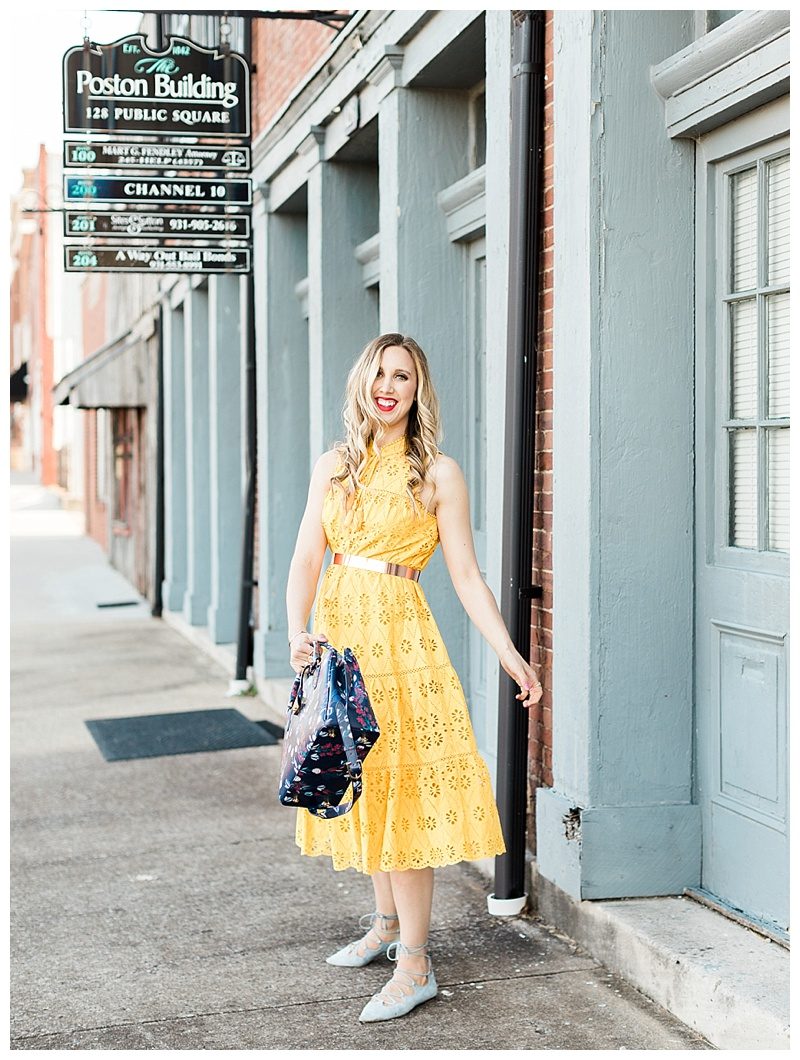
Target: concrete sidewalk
{"points": [[162, 903]]}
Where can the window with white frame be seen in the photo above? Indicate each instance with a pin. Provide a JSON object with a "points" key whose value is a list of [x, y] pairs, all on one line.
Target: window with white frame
{"points": [[755, 294]]}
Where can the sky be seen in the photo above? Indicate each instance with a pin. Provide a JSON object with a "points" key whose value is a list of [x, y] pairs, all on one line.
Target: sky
{"points": [[39, 34], [33, 99]]}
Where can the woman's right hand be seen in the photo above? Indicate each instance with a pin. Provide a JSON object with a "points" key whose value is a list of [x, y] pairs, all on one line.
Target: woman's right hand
{"points": [[302, 649]]}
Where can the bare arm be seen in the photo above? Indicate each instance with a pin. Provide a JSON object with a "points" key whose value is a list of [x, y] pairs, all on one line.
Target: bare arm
{"points": [[309, 550], [455, 535]]}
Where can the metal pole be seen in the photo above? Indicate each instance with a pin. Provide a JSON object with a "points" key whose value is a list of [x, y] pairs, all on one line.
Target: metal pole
{"points": [[158, 565], [527, 118], [244, 647]]}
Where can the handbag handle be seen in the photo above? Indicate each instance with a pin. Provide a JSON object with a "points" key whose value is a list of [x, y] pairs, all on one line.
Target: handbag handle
{"points": [[296, 698], [354, 766]]}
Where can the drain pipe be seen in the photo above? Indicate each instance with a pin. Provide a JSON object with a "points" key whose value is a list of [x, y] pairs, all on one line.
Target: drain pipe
{"points": [[245, 636], [159, 544], [517, 590]]}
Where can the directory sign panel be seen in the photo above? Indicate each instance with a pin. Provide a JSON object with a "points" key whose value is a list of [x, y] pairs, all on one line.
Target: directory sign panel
{"points": [[157, 190], [98, 154], [130, 258], [157, 158]]}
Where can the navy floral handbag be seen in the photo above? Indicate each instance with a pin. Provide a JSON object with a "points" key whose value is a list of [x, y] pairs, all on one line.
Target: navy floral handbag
{"points": [[330, 730]]}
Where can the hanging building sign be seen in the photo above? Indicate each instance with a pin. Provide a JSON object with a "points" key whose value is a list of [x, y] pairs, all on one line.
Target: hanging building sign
{"points": [[152, 129], [124, 89]]}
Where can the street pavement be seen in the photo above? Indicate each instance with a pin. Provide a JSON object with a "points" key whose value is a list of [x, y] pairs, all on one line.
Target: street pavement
{"points": [[162, 903]]}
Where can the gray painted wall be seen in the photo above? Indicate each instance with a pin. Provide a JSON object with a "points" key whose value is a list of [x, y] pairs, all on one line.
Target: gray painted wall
{"points": [[342, 212]]}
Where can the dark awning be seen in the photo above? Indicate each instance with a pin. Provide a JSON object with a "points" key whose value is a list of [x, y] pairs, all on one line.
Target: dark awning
{"points": [[113, 377], [19, 383]]}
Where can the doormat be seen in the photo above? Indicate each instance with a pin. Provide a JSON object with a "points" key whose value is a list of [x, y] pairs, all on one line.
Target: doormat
{"points": [[276, 730], [182, 733]]}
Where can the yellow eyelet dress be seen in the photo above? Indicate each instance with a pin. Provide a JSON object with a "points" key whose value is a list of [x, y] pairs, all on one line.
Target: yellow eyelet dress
{"points": [[427, 797]]}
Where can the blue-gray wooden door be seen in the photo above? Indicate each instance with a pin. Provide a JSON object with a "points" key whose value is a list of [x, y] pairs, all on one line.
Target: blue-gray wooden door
{"points": [[741, 493]]}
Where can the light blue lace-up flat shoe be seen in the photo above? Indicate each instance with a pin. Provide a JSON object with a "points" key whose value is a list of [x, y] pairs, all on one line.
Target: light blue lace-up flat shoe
{"points": [[349, 957], [390, 1003]]}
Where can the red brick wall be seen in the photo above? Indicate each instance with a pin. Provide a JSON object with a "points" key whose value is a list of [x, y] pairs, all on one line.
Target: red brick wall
{"points": [[541, 716], [284, 50]]}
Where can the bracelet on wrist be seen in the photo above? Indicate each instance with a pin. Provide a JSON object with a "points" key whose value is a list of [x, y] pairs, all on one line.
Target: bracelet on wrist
{"points": [[297, 634]]}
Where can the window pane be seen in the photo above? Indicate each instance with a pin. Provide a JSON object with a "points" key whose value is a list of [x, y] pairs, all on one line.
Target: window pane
{"points": [[778, 220], [778, 353], [480, 130], [744, 359], [716, 18], [778, 488], [744, 506], [744, 200]]}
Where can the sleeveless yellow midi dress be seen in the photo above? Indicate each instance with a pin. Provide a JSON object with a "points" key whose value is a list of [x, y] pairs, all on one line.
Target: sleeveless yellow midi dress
{"points": [[427, 796]]}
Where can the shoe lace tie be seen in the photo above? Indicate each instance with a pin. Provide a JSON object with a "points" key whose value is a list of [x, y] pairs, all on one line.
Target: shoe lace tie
{"points": [[398, 949], [365, 922]]}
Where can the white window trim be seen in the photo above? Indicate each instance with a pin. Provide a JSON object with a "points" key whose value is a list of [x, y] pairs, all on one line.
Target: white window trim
{"points": [[464, 206], [368, 255], [738, 66]]}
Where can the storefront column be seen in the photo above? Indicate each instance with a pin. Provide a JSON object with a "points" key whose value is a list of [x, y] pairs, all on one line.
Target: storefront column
{"points": [[281, 264], [342, 212], [197, 441], [174, 585], [225, 354], [423, 148], [619, 820]]}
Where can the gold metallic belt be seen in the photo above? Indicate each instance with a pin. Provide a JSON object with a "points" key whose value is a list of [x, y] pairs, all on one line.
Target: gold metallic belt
{"points": [[349, 560]]}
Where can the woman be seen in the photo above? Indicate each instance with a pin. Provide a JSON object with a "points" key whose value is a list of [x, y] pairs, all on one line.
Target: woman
{"points": [[427, 797]]}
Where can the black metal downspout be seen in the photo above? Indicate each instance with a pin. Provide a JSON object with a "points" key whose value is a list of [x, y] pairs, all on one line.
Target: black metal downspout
{"points": [[158, 559], [158, 565], [517, 590], [244, 646]]}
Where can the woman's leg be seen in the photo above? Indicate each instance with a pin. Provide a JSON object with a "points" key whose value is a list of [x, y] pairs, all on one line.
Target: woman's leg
{"points": [[385, 928], [384, 898], [413, 895]]}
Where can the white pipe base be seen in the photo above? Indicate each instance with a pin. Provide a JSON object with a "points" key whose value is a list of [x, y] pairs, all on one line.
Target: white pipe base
{"points": [[505, 906], [239, 688]]}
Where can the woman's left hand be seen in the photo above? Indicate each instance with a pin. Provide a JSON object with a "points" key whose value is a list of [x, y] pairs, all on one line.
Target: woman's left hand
{"points": [[524, 674]]}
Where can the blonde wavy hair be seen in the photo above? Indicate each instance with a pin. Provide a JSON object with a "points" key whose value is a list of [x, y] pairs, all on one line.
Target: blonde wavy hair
{"points": [[363, 425]]}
